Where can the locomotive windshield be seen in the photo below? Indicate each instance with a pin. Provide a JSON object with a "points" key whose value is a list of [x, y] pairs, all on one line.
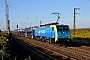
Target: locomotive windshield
{"points": [[62, 27]]}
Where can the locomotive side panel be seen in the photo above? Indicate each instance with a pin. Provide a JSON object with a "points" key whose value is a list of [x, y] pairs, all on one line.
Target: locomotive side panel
{"points": [[56, 33], [44, 32]]}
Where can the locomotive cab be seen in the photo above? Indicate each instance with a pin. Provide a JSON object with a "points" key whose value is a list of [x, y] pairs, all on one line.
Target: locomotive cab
{"points": [[63, 32]]}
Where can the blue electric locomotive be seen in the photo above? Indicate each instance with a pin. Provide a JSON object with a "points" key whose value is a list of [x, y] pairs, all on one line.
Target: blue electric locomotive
{"points": [[53, 33]]}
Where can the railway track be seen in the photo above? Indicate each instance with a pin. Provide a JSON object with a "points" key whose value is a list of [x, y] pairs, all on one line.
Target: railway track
{"points": [[36, 53], [84, 48], [72, 53]]}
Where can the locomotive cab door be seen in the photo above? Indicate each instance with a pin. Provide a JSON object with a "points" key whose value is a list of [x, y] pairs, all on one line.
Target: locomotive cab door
{"points": [[55, 30]]}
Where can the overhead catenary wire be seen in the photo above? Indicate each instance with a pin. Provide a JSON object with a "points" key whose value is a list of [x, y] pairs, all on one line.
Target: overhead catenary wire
{"points": [[29, 14], [51, 16], [85, 11], [18, 10], [75, 5], [64, 15]]}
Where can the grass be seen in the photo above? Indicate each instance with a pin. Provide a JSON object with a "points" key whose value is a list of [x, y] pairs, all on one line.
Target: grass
{"points": [[82, 33]]}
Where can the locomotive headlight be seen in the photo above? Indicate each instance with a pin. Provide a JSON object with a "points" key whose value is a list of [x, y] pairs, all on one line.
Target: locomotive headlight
{"points": [[68, 40]]}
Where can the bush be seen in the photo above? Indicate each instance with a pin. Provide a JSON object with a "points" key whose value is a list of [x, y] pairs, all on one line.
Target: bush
{"points": [[4, 46]]}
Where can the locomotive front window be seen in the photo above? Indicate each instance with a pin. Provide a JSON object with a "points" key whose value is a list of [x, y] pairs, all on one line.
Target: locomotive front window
{"points": [[52, 28], [65, 28], [60, 28]]}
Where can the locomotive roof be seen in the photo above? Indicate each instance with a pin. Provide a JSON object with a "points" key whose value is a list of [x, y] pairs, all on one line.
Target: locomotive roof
{"points": [[62, 25], [49, 24]]}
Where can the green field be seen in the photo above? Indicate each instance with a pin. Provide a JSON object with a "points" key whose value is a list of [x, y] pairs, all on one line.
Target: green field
{"points": [[82, 33]]}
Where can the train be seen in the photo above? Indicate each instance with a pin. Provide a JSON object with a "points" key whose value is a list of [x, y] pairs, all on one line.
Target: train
{"points": [[53, 33], [26, 32]]}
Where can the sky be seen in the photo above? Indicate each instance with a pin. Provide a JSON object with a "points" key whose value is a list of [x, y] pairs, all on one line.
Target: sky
{"points": [[26, 13]]}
